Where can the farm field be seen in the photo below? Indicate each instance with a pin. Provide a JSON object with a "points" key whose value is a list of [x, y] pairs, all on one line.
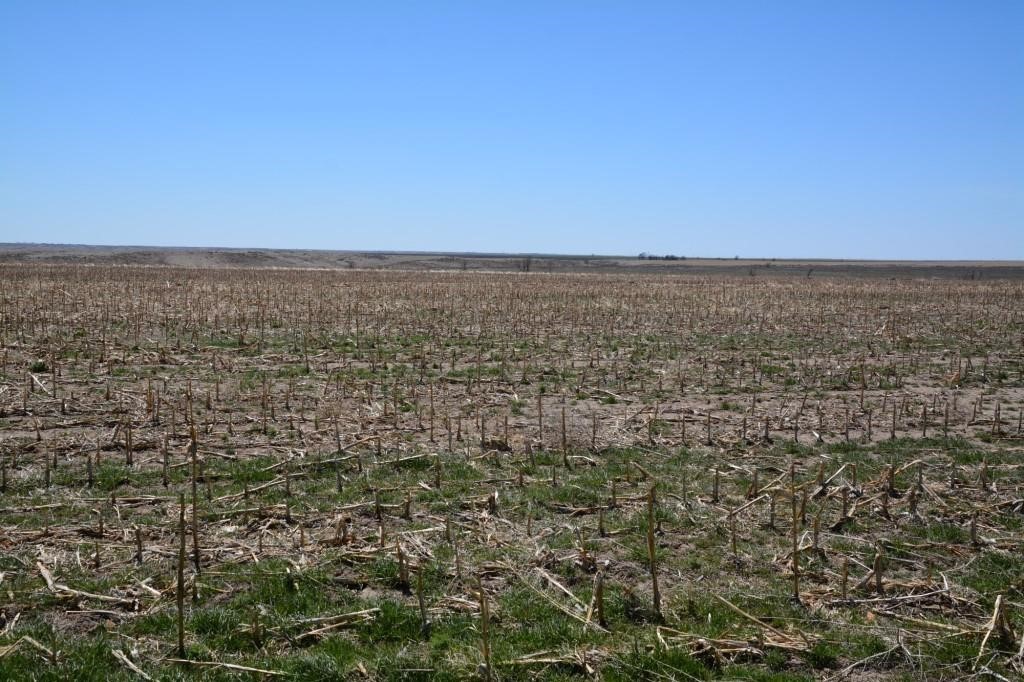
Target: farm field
{"points": [[380, 474]]}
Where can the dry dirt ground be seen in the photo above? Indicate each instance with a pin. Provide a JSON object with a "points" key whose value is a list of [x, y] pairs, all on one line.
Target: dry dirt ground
{"points": [[228, 472]]}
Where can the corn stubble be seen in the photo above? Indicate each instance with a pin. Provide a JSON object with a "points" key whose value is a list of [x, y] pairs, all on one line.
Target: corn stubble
{"points": [[491, 452]]}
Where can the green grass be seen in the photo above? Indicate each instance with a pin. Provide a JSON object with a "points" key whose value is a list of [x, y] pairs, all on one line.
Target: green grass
{"points": [[289, 590]]}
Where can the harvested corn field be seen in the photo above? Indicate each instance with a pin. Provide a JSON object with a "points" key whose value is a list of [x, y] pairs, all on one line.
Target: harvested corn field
{"points": [[312, 474]]}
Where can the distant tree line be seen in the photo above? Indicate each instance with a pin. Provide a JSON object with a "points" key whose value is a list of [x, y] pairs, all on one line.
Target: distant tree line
{"points": [[651, 256]]}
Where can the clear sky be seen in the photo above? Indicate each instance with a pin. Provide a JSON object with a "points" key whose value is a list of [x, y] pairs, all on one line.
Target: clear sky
{"points": [[803, 129]]}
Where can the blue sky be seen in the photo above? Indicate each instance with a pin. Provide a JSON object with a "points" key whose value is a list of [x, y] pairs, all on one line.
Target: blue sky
{"points": [[788, 129]]}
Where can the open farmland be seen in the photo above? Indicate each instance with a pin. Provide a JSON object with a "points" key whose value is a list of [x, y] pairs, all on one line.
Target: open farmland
{"points": [[227, 473]]}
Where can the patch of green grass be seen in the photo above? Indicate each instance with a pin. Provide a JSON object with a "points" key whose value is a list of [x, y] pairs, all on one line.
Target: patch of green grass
{"points": [[940, 532], [286, 591], [219, 629], [293, 371], [87, 658], [996, 572], [250, 380], [909, 445], [822, 655], [396, 622], [110, 476], [671, 664]]}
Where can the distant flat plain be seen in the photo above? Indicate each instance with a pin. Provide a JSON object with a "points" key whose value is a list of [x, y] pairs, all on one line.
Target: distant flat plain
{"points": [[392, 260]]}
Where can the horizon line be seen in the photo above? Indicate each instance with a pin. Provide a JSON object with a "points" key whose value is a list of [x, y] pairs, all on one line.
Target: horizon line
{"points": [[670, 257]]}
